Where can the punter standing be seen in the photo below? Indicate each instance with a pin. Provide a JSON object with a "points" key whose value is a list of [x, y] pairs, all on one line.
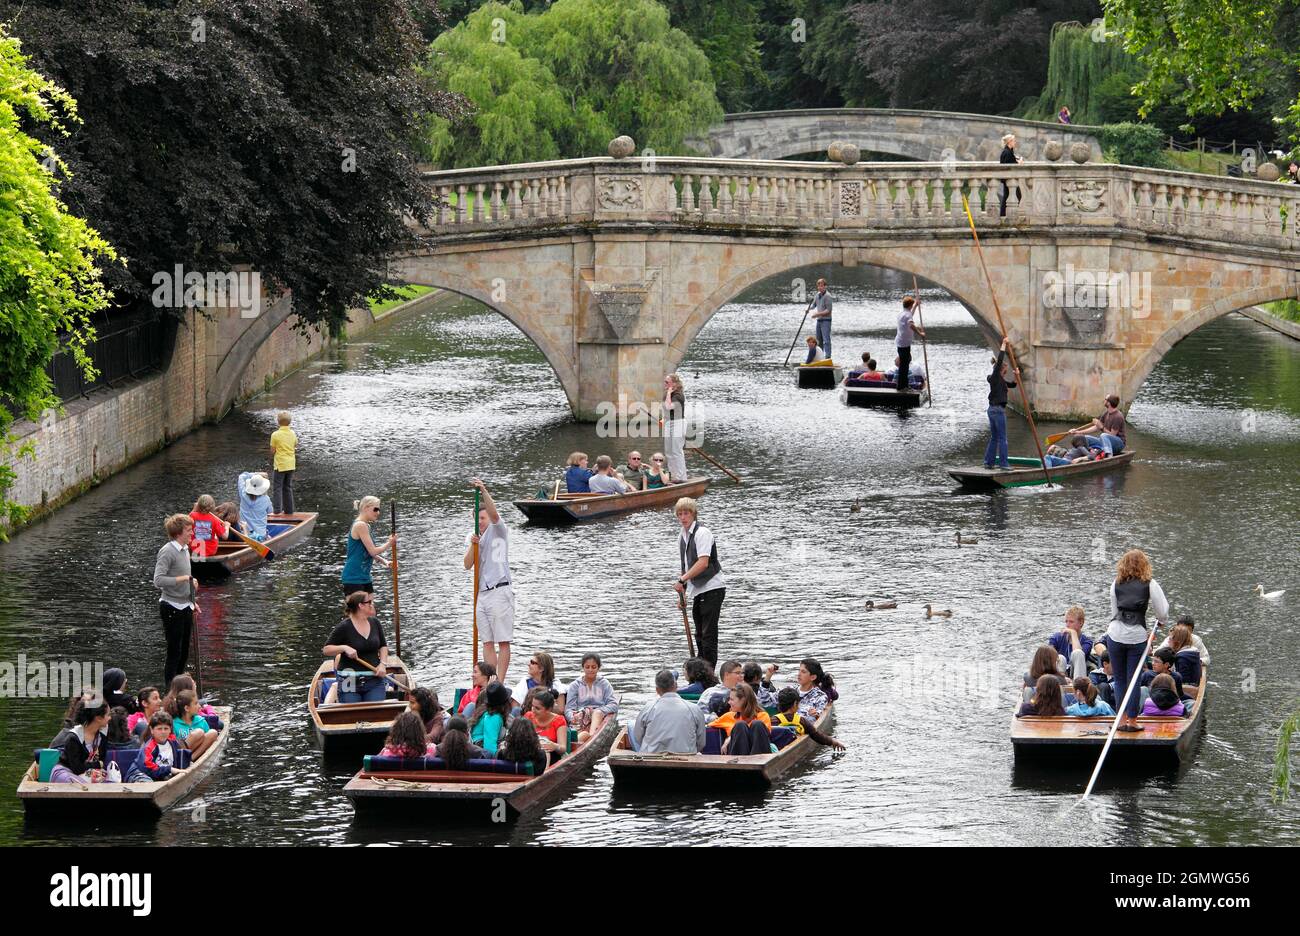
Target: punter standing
{"points": [[675, 427], [821, 316], [496, 597], [907, 330], [176, 605], [701, 578]]}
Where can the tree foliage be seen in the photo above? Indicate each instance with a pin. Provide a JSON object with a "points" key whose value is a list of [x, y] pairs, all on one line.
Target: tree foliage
{"points": [[726, 31], [980, 56], [278, 134], [50, 283], [561, 82]]}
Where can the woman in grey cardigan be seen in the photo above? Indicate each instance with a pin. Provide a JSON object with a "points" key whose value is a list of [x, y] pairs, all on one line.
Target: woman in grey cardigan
{"points": [[171, 575]]}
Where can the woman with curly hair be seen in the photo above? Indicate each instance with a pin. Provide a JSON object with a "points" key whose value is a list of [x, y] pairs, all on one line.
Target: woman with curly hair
{"points": [[1133, 592]]}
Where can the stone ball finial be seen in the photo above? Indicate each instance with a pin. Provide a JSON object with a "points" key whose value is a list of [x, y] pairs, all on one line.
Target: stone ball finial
{"points": [[1080, 152], [850, 154], [833, 151], [621, 147], [1268, 172], [1053, 150]]}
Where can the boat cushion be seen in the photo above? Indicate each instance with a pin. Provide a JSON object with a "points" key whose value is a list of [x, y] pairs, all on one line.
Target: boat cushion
{"points": [[325, 685], [373, 763], [713, 738], [275, 529], [914, 382], [781, 736]]}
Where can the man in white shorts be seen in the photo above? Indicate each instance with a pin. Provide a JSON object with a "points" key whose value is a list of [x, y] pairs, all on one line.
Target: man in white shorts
{"points": [[496, 597]]}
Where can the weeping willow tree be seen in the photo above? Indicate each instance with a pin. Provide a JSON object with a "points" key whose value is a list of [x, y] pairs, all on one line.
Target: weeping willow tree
{"points": [[1084, 68]]}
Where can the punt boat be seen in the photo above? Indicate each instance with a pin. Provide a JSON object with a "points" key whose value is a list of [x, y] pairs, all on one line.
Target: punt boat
{"points": [[564, 508], [710, 771], [813, 377], [112, 801], [351, 728], [1025, 472], [284, 531], [879, 393]]}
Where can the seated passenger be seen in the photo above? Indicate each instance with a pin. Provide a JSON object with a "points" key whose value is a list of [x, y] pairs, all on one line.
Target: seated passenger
{"points": [[669, 724], [118, 736], [547, 723], [1047, 700], [1088, 700], [634, 472], [148, 701], [1046, 660], [748, 727], [522, 744], [1103, 677], [209, 529], [406, 739], [189, 727], [871, 373], [787, 716], [1162, 661], [1072, 645], [541, 675], [604, 481], [182, 681], [656, 474], [160, 757], [115, 693], [491, 718], [815, 685], [228, 513], [714, 698], [484, 673], [577, 474], [1164, 699], [254, 505], [1190, 622], [81, 753], [589, 699], [424, 703], [699, 677], [1187, 660], [815, 352], [455, 748]]}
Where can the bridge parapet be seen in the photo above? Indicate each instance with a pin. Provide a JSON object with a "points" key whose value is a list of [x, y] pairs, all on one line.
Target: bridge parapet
{"points": [[742, 194]]}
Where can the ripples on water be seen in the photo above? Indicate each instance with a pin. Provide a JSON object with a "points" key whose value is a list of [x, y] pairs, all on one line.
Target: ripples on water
{"points": [[427, 401]]}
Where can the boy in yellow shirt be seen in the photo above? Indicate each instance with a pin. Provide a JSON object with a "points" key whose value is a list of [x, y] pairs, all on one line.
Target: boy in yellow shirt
{"points": [[284, 444]]}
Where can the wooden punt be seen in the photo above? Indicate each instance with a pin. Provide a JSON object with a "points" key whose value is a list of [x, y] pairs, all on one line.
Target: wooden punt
{"points": [[884, 395], [476, 795], [1166, 741], [112, 801], [355, 728], [573, 508], [810, 377], [710, 771], [233, 556], [1026, 472]]}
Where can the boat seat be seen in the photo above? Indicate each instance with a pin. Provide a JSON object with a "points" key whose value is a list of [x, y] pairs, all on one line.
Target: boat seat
{"points": [[781, 736], [373, 763], [713, 738], [325, 685], [276, 529]]}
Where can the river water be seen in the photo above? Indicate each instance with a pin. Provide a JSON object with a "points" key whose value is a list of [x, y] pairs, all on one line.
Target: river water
{"points": [[428, 400]]}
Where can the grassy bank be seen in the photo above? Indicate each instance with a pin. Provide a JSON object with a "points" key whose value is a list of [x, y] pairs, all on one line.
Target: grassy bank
{"points": [[405, 294], [1288, 309]]}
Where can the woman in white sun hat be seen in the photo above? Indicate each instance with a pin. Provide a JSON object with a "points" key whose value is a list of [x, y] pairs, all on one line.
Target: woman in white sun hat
{"points": [[254, 505]]}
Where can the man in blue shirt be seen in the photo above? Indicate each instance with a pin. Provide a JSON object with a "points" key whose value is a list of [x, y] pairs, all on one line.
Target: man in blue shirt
{"points": [[822, 316], [1072, 644]]}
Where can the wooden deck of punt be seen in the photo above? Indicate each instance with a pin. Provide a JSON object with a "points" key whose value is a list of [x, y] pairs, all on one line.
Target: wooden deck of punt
{"points": [[475, 795], [710, 771], [809, 377], [354, 728], [1029, 471], [233, 556], [573, 508], [112, 801], [1166, 741], [885, 395]]}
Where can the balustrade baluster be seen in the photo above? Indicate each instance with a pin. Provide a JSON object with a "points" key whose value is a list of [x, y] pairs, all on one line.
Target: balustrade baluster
{"points": [[724, 196], [762, 196], [479, 208], [516, 203], [706, 195], [497, 207], [688, 193], [462, 203], [801, 198], [1194, 207], [742, 196]]}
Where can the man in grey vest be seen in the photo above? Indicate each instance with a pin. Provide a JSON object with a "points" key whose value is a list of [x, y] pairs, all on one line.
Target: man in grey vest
{"points": [[822, 316], [701, 579]]}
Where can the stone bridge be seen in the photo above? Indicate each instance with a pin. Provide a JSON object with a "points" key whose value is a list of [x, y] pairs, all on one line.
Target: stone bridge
{"points": [[612, 267], [929, 136]]}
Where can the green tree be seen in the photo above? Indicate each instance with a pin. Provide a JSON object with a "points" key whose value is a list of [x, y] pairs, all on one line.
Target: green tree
{"points": [[50, 283], [276, 134], [563, 80], [1214, 56], [727, 33]]}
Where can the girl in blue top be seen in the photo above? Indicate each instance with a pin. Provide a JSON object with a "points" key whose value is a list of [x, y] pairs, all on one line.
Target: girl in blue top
{"points": [[362, 550], [488, 726], [578, 474], [1087, 701]]}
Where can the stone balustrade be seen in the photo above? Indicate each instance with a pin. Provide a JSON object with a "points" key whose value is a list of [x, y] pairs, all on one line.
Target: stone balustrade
{"points": [[758, 195]]}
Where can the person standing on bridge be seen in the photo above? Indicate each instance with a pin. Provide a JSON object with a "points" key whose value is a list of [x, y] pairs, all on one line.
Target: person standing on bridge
{"points": [[907, 329], [700, 579], [821, 315], [1008, 158], [674, 423]]}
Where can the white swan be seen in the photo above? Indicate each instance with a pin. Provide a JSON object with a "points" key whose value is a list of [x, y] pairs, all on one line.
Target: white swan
{"points": [[1269, 596]]}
